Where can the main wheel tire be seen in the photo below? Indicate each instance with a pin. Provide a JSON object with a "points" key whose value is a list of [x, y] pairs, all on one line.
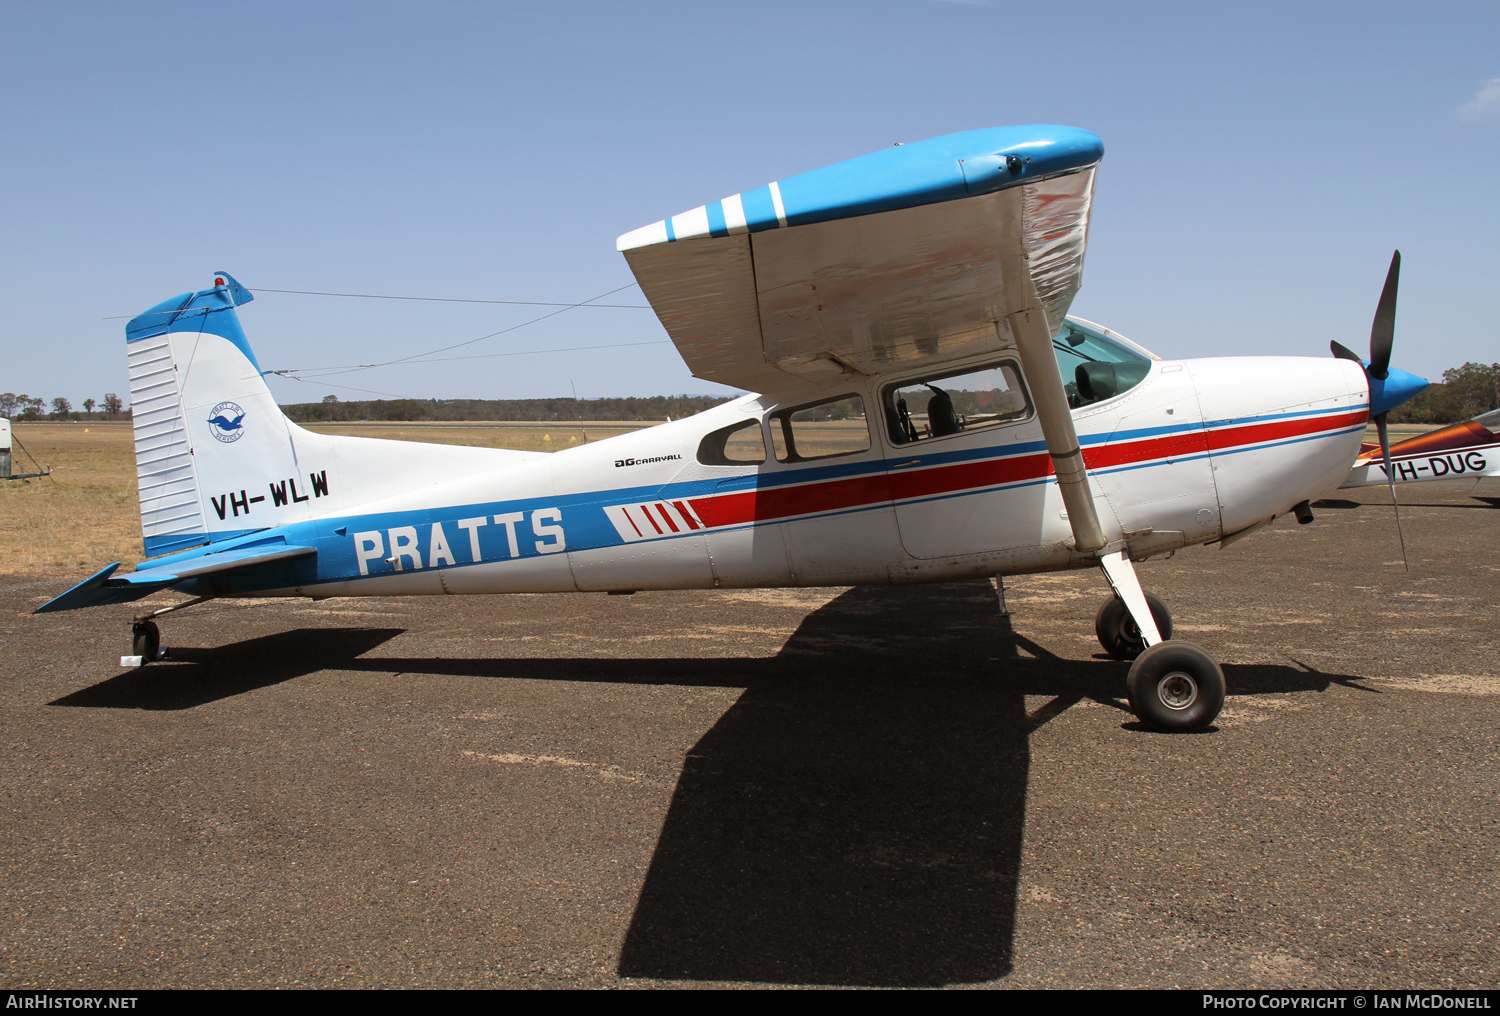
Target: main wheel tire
{"points": [[1118, 633], [145, 640], [1175, 687]]}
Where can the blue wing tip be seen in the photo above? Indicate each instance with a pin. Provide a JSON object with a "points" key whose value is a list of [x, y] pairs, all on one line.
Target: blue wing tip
{"points": [[81, 595]]}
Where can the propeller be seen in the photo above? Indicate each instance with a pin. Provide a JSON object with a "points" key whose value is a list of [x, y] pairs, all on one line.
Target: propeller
{"points": [[1382, 334]]}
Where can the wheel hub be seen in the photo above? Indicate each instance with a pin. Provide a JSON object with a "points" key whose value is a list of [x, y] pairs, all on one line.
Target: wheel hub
{"points": [[1177, 690]]}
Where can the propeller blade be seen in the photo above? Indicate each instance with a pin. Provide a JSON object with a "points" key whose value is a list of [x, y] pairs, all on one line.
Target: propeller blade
{"points": [[1343, 352], [1390, 475], [1383, 330]]}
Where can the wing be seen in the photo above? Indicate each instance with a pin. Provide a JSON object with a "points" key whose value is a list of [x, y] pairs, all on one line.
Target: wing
{"points": [[911, 255]]}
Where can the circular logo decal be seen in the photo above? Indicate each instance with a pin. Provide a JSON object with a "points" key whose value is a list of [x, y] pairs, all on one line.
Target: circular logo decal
{"points": [[226, 422]]}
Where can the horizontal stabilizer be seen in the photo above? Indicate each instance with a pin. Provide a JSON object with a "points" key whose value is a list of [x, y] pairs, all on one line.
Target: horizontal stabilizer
{"points": [[105, 588]]}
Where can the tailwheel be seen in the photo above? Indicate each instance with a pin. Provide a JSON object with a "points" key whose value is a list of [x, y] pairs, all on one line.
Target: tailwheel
{"points": [[1175, 687], [1117, 630], [145, 639]]}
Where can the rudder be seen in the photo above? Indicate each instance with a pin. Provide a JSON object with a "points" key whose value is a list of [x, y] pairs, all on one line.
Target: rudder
{"points": [[197, 396]]}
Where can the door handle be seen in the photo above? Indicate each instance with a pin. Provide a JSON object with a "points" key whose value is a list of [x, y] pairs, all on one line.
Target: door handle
{"points": [[908, 462]]}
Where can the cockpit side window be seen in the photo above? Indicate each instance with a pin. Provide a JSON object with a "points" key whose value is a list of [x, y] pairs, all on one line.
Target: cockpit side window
{"points": [[739, 444], [1094, 367], [821, 430], [955, 403]]}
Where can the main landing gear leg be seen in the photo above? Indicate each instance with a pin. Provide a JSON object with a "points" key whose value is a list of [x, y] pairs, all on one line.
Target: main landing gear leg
{"points": [[145, 636], [1172, 685], [1000, 595]]}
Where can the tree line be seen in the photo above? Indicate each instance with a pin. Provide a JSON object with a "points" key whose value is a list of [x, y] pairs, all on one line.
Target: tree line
{"points": [[655, 407], [1464, 392], [30, 408]]}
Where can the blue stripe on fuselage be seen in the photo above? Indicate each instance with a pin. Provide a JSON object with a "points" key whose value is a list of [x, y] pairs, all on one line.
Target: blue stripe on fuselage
{"points": [[583, 518]]}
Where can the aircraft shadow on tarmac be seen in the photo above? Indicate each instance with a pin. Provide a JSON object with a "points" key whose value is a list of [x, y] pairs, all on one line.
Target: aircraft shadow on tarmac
{"points": [[856, 817], [195, 677]]}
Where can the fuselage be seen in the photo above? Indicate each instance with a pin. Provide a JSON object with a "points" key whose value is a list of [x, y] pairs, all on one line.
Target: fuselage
{"points": [[1197, 450]]}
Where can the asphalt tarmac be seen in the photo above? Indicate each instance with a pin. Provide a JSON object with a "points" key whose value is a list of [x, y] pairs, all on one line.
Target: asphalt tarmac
{"points": [[869, 786]]}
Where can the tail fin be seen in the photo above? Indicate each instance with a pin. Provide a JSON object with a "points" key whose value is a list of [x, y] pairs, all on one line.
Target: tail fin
{"points": [[200, 409], [216, 458]]}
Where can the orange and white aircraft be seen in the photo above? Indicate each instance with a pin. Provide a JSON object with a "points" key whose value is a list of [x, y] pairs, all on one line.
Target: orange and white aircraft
{"points": [[1466, 454]]}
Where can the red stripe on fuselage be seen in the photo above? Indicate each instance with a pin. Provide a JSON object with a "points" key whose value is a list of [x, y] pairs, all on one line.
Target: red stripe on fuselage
{"points": [[687, 516], [833, 495], [1255, 433], [964, 475], [646, 511], [1191, 442], [626, 513], [780, 502]]}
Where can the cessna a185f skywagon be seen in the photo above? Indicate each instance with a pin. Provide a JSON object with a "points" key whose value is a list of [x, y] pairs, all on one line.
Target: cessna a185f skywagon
{"points": [[927, 412]]}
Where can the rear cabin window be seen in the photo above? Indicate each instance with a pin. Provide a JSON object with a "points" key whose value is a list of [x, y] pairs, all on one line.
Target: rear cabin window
{"points": [[955, 403], [821, 430], [1094, 368], [739, 445]]}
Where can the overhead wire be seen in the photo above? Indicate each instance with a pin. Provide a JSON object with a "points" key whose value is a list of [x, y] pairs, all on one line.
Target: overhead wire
{"points": [[446, 299], [336, 371], [346, 388], [416, 357], [310, 374], [316, 375], [591, 304], [422, 357]]}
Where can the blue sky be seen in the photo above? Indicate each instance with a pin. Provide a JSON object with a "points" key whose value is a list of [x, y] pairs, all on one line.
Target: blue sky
{"points": [[1261, 163]]}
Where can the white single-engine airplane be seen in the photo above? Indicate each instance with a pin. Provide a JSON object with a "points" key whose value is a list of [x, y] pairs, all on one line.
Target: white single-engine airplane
{"points": [[903, 316]]}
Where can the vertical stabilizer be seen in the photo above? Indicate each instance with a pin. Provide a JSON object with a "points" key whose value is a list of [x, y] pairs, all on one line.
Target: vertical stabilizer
{"points": [[196, 393], [215, 456]]}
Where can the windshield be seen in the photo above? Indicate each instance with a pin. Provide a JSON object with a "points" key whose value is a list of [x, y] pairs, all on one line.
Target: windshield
{"points": [[1095, 366]]}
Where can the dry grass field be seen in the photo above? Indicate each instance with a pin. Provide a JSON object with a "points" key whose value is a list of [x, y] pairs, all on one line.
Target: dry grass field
{"points": [[85, 515], [522, 436], [1401, 431]]}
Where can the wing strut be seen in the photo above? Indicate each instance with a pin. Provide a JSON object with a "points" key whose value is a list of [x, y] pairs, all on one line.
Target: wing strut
{"points": [[1034, 343], [1033, 336], [1027, 318]]}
